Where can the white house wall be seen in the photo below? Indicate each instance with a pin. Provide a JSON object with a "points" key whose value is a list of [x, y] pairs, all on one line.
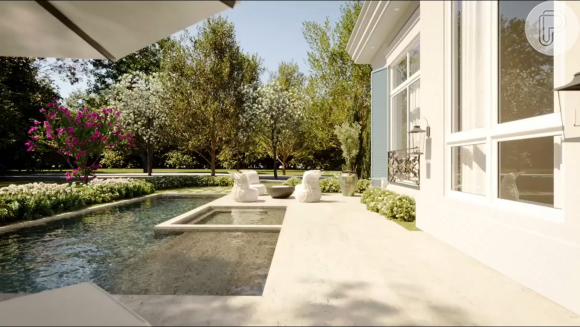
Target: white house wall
{"points": [[539, 250]]}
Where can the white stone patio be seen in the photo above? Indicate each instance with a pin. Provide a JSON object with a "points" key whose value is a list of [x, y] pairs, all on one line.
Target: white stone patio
{"points": [[338, 264]]}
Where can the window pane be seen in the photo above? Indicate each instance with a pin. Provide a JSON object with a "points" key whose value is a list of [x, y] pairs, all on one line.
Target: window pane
{"points": [[468, 169], [400, 122], [415, 59], [526, 170], [414, 103], [526, 75], [400, 73], [456, 115]]}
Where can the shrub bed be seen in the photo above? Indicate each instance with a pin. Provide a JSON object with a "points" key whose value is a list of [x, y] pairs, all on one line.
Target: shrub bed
{"points": [[37, 200], [389, 204], [331, 185], [169, 182]]}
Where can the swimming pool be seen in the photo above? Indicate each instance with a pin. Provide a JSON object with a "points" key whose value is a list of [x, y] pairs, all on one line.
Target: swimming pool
{"points": [[99, 247]]}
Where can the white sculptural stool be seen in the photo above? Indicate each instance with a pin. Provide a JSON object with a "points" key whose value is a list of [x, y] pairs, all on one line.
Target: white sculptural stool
{"points": [[254, 180], [242, 191], [309, 190]]}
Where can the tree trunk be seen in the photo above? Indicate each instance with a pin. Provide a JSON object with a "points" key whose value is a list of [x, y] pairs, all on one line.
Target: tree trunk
{"points": [[149, 159], [284, 166], [143, 155], [275, 161], [213, 161]]}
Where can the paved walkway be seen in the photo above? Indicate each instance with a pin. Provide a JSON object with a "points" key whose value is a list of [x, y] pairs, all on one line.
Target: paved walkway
{"points": [[338, 264]]}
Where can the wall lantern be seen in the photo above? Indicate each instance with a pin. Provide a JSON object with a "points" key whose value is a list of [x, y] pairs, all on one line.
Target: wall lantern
{"points": [[417, 138], [574, 85]]}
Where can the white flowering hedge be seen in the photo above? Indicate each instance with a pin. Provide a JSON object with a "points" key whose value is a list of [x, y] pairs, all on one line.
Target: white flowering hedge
{"points": [[330, 185], [170, 182], [37, 200], [389, 204]]}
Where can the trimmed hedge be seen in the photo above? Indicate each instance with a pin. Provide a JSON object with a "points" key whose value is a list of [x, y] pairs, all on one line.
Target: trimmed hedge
{"points": [[169, 182], [389, 204], [331, 185], [37, 200], [292, 181]]}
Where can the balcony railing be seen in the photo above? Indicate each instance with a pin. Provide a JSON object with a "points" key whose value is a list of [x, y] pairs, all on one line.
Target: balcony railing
{"points": [[404, 166]]}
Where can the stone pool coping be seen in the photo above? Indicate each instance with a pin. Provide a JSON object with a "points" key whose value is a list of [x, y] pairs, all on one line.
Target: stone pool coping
{"points": [[72, 214], [186, 221]]}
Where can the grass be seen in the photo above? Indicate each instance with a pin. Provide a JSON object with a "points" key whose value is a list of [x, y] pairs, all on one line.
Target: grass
{"points": [[408, 225], [166, 170]]}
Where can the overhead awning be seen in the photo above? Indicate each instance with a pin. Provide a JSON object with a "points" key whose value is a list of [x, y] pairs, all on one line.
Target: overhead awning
{"points": [[95, 29]]}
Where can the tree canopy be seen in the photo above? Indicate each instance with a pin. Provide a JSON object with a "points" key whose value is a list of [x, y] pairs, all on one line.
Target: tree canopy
{"points": [[338, 88]]}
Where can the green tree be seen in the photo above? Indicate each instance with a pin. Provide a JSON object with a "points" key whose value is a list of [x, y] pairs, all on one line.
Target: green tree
{"points": [[289, 76], [23, 92], [274, 115], [105, 73], [339, 89], [207, 73]]}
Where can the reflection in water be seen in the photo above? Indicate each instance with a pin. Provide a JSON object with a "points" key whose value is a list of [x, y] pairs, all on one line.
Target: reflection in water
{"points": [[245, 217], [90, 248]]}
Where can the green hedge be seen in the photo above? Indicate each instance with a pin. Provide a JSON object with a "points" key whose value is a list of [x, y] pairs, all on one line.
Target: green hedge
{"points": [[331, 185], [37, 200], [169, 182], [389, 204]]}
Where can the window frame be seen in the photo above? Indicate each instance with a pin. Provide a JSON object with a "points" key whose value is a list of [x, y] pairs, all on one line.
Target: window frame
{"points": [[405, 85], [493, 132]]}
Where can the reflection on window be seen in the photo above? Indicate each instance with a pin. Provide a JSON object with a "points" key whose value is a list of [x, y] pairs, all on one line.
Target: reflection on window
{"points": [[414, 103], [400, 72], [468, 169], [526, 75], [415, 59], [457, 126], [526, 170], [400, 121]]}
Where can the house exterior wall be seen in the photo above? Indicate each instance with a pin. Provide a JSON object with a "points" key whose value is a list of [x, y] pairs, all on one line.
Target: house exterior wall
{"points": [[538, 248]]}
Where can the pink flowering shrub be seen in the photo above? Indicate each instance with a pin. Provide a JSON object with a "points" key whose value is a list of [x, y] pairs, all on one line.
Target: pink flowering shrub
{"points": [[79, 136]]}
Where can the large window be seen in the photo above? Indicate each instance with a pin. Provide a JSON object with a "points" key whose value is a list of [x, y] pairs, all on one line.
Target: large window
{"points": [[504, 137], [405, 104]]}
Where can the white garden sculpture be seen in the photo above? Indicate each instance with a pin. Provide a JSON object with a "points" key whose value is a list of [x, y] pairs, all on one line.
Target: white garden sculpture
{"points": [[255, 181], [309, 190], [242, 191]]}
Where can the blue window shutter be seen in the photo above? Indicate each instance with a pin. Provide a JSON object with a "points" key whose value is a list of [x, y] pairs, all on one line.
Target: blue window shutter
{"points": [[379, 125]]}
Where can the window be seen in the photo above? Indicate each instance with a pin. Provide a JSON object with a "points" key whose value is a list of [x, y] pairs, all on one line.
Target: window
{"points": [[504, 137], [468, 163], [472, 92], [526, 170], [405, 96], [526, 75]]}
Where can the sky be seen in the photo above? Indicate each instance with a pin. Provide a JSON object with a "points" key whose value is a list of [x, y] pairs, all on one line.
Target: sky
{"points": [[273, 29]]}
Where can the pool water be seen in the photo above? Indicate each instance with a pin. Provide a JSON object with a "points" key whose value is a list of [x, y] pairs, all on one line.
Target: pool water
{"points": [[95, 247], [269, 216]]}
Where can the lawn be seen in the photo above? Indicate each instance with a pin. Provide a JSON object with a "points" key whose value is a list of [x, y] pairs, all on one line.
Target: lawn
{"points": [[165, 170], [408, 225]]}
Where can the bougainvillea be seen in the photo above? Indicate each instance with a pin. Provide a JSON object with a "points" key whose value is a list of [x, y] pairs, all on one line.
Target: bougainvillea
{"points": [[80, 136]]}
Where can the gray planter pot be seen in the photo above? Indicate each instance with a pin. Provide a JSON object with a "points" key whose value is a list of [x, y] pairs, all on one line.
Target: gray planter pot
{"points": [[280, 191], [348, 183]]}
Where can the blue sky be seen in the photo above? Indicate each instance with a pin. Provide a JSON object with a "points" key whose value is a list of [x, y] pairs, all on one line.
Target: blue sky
{"points": [[273, 29]]}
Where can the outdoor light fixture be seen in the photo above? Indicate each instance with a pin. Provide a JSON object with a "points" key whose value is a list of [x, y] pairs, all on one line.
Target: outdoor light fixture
{"points": [[417, 137], [574, 85]]}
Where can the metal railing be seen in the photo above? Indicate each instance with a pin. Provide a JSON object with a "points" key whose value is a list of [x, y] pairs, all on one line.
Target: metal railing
{"points": [[404, 166]]}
